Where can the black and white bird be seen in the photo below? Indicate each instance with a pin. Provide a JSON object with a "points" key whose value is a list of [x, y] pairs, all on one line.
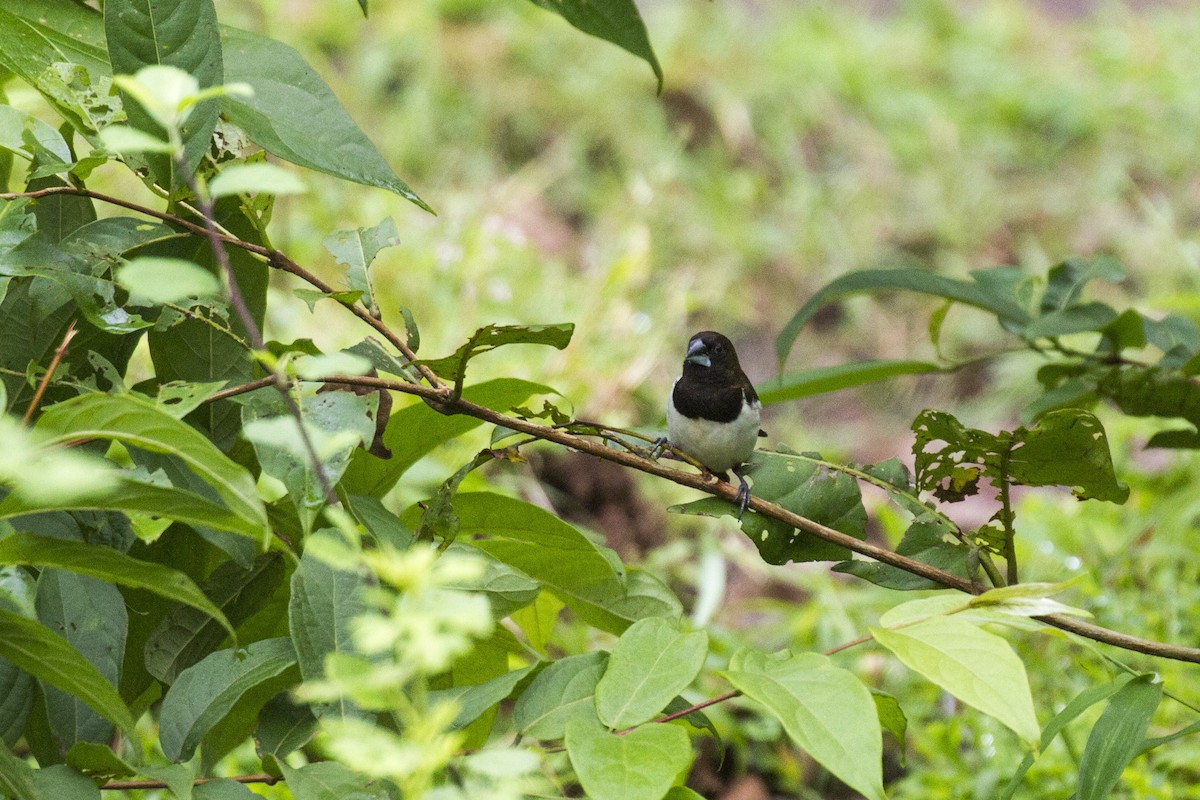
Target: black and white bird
{"points": [[713, 411]]}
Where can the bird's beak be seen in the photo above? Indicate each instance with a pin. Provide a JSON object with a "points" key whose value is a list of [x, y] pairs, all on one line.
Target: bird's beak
{"points": [[697, 354]]}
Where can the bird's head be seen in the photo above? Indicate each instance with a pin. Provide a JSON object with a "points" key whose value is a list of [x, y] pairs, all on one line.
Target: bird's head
{"points": [[709, 350]]}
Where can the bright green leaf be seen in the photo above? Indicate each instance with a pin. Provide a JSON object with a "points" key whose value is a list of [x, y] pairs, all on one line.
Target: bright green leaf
{"points": [[651, 663], [639, 765], [151, 280], [1117, 736], [258, 178], [820, 380], [977, 667], [825, 710]]}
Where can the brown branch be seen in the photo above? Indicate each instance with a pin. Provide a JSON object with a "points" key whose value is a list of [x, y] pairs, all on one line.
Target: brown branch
{"points": [[262, 777], [59, 352], [727, 491]]}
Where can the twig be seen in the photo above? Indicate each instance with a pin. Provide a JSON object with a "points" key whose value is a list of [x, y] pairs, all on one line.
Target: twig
{"points": [[262, 777], [59, 352], [216, 240]]}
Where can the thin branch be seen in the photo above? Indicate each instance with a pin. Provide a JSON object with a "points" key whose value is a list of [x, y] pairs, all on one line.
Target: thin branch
{"points": [[262, 777], [216, 240], [727, 491], [59, 352]]}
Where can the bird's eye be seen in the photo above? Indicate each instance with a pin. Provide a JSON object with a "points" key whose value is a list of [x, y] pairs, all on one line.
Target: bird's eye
{"points": [[718, 348]]}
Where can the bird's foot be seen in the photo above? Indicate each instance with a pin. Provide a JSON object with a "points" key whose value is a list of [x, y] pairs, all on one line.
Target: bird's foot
{"points": [[743, 495], [656, 449]]}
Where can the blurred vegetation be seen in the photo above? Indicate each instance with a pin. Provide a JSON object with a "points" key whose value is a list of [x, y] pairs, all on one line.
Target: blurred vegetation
{"points": [[794, 142]]}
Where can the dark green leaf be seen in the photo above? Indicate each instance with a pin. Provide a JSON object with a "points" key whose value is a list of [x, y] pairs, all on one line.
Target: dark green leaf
{"points": [[131, 420], [616, 21], [108, 565], [474, 699], [16, 777], [90, 614], [490, 337], [1082, 702], [176, 33], [1117, 736], [1082, 318], [356, 248], [803, 486], [1065, 281], [283, 727], [49, 657], [323, 604], [186, 635], [98, 761], [294, 115], [926, 540], [206, 693], [223, 789], [329, 780], [820, 380], [64, 783]]}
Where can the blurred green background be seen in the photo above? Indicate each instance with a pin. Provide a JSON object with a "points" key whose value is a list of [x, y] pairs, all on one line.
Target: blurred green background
{"points": [[793, 142]]}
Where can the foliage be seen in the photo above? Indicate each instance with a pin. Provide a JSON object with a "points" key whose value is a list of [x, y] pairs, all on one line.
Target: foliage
{"points": [[241, 499]]}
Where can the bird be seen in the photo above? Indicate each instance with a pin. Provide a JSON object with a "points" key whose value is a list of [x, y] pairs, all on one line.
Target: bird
{"points": [[713, 412]]}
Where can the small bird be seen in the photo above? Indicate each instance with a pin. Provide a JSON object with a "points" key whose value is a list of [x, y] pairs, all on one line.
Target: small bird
{"points": [[713, 412]]}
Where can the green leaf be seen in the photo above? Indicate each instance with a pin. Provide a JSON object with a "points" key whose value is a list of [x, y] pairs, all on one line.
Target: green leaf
{"points": [[474, 699], [1065, 281], [1082, 702], [489, 337], [49, 657], [30, 44], [802, 485], [101, 562], [986, 292], [329, 780], [172, 33], [926, 540], [91, 616], [977, 667], [414, 431], [151, 280], [223, 789], [258, 178], [1117, 736], [820, 380], [283, 727], [294, 115], [186, 635], [205, 694], [561, 692], [1027, 599], [891, 717], [321, 609], [825, 710], [650, 664], [16, 777], [616, 21], [64, 783], [551, 552], [336, 423], [98, 761], [639, 765], [1067, 447], [356, 248], [506, 587], [138, 422]]}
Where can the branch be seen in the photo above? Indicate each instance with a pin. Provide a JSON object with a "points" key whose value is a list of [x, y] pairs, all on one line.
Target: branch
{"points": [[727, 491], [262, 777]]}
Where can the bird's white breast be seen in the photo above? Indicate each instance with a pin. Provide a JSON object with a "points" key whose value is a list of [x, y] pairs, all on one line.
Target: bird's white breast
{"points": [[717, 445]]}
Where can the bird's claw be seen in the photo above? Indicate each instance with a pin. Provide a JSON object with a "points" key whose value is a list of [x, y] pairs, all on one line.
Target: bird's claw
{"points": [[656, 449], [743, 495]]}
